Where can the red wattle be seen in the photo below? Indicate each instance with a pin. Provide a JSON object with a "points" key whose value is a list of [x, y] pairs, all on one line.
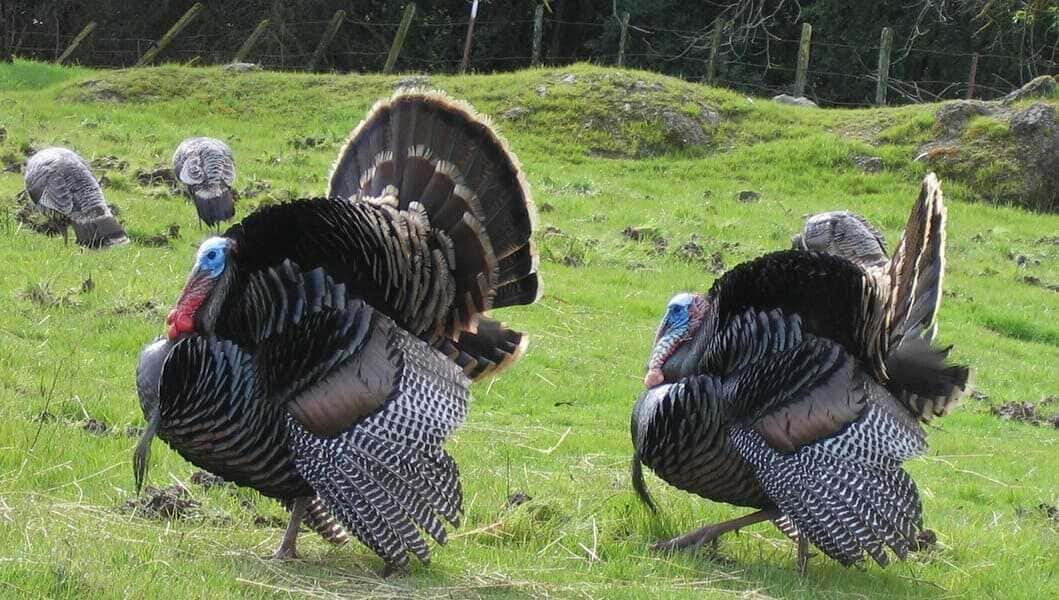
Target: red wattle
{"points": [[180, 322]]}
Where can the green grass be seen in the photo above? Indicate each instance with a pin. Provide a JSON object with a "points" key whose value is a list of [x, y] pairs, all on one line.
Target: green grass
{"points": [[555, 427]]}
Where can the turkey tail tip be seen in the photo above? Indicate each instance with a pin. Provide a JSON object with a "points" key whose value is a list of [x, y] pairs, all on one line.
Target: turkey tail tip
{"points": [[100, 233], [639, 485], [141, 457], [921, 378]]}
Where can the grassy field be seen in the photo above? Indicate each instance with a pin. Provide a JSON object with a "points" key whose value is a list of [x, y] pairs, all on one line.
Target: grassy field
{"points": [[600, 158]]}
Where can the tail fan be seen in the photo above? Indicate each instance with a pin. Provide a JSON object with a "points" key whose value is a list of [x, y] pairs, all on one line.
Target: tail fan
{"points": [[425, 152], [922, 381], [917, 268], [100, 232], [488, 352]]}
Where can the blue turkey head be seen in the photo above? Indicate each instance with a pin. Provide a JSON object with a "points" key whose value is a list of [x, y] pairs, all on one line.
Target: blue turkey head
{"points": [[204, 292], [682, 321]]}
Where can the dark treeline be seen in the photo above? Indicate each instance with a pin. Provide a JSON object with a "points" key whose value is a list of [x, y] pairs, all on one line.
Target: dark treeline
{"points": [[933, 39]]}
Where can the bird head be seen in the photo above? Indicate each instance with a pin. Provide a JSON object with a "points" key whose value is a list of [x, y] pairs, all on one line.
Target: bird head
{"points": [[196, 310], [684, 317]]}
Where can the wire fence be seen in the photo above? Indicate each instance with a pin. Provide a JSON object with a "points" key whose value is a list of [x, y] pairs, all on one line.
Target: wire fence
{"points": [[294, 46]]}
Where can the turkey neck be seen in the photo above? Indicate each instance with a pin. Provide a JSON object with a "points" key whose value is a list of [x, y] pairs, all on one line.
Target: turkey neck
{"points": [[688, 358]]}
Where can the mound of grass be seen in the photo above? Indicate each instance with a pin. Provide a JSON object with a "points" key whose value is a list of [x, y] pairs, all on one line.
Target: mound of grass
{"points": [[555, 428]]}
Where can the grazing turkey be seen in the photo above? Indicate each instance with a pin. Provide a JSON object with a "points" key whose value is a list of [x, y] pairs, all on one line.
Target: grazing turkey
{"points": [[206, 166], [61, 184], [322, 349], [844, 234], [796, 387]]}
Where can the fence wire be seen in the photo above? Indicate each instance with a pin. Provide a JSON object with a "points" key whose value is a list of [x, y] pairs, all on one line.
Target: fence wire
{"points": [[292, 46]]}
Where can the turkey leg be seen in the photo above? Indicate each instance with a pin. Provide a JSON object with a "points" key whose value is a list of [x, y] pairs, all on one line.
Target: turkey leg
{"points": [[288, 548], [710, 533]]}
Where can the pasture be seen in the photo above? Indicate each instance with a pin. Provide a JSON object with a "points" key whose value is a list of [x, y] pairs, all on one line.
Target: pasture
{"points": [[545, 454]]}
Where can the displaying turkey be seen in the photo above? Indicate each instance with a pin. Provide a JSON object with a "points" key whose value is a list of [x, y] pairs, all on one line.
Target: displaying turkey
{"points": [[796, 387], [206, 166], [323, 349], [61, 184]]}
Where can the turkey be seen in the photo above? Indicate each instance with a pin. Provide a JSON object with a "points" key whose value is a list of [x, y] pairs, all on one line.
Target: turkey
{"points": [[206, 166], [321, 350], [61, 184], [796, 386], [845, 234]]}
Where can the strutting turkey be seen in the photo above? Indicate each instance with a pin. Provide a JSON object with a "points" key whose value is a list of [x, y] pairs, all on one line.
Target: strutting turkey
{"points": [[796, 386], [206, 166], [61, 184], [321, 350]]}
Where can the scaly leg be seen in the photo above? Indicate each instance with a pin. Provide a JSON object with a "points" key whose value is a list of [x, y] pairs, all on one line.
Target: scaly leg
{"points": [[288, 548], [710, 533], [803, 553]]}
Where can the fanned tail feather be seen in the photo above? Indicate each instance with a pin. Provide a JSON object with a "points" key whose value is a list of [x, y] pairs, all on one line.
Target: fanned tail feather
{"points": [[425, 152], [923, 381], [101, 232], [491, 350]]}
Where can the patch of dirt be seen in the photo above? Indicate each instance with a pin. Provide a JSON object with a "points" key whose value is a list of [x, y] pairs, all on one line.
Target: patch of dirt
{"points": [[160, 240], [271, 521], [747, 196], [161, 174], [1036, 281], [926, 540], [715, 264], [206, 480], [641, 233], [256, 188], [100, 91], [173, 502], [544, 207], [1027, 412], [518, 499], [306, 143], [40, 222], [691, 251], [95, 427], [149, 309], [12, 163], [1050, 511], [110, 162], [133, 432]]}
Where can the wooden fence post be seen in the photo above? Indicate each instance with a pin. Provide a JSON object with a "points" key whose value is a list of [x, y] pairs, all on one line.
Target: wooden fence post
{"points": [[886, 41], [470, 38], [623, 38], [325, 41], [77, 42], [538, 30], [250, 42], [803, 60], [398, 40], [715, 48], [153, 52], [971, 78]]}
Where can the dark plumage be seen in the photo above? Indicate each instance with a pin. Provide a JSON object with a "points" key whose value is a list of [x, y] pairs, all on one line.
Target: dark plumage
{"points": [[321, 350], [796, 386], [61, 183], [206, 166]]}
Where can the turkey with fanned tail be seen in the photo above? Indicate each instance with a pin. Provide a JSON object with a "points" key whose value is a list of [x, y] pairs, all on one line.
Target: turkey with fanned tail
{"points": [[321, 350], [796, 386]]}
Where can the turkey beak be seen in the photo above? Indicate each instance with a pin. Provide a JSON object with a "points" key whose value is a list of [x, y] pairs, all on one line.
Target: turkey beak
{"points": [[142, 456]]}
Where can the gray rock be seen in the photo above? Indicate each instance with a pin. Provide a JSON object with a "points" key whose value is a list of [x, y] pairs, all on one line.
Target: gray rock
{"points": [[747, 196], [413, 81], [869, 164], [542, 91], [568, 79], [952, 116], [1038, 87], [241, 67], [787, 99], [515, 112], [682, 130], [643, 86]]}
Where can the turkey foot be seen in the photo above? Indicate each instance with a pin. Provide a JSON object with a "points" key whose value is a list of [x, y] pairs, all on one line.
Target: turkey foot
{"points": [[710, 533], [289, 547]]}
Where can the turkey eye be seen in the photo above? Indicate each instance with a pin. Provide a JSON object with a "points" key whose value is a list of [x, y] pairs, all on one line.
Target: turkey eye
{"points": [[212, 254]]}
